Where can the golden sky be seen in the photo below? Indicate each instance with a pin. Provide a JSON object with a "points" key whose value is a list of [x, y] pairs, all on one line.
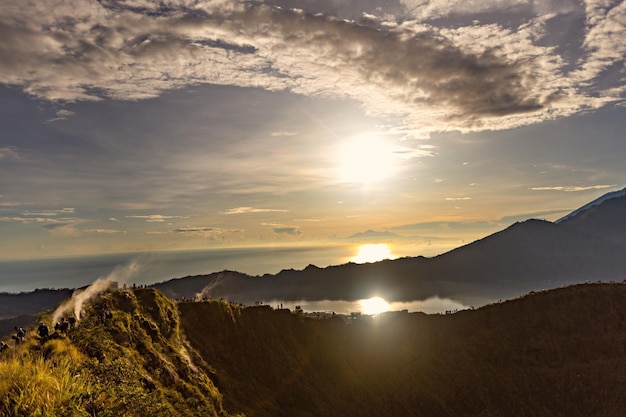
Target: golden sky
{"points": [[131, 126]]}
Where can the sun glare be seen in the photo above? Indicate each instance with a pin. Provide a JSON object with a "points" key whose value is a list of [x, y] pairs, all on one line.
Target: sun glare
{"points": [[365, 160], [372, 252], [374, 305]]}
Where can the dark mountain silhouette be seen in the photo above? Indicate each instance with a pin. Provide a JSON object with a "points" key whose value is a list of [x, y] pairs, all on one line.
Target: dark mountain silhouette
{"points": [[560, 352], [530, 255], [601, 199], [34, 302], [587, 245], [21, 309], [552, 353]]}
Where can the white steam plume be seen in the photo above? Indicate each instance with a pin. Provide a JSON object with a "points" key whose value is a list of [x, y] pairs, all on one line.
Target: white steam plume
{"points": [[206, 291], [74, 305]]}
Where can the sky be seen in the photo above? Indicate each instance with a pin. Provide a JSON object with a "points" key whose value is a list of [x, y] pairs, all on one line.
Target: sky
{"points": [[137, 126]]}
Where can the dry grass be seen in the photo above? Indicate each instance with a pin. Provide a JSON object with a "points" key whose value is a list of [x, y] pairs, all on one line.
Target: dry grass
{"points": [[33, 386]]}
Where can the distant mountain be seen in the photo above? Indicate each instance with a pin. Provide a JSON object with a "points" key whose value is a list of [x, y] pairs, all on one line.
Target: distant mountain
{"points": [[34, 302], [372, 234], [597, 201], [588, 245], [23, 308]]}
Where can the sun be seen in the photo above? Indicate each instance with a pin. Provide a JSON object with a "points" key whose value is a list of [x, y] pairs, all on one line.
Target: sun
{"points": [[365, 160], [372, 252], [374, 305]]}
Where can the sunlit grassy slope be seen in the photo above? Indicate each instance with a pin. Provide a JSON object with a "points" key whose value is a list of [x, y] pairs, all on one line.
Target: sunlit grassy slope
{"points": [[554, 353], [132, 364]]}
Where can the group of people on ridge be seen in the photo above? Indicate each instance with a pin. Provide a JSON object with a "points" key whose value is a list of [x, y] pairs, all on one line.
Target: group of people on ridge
{"points": [[43, 331]]}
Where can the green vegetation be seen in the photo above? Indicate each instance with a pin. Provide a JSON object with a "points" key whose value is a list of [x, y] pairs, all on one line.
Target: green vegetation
{"points": [[132, 363], [553, 353]]}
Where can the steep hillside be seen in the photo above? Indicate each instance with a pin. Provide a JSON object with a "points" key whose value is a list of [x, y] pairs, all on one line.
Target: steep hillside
{"points": [[136, 353], [126, 357], [561, 352]]}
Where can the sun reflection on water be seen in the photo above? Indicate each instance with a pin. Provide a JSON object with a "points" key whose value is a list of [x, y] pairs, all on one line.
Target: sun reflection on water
{"points": [[374, 305]]}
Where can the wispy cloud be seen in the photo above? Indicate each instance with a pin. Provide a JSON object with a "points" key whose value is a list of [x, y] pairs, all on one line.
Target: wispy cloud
{"points": [[40, 220], [7, 152], [65, 228], [434, 9], [63, 211], [283, 229], [194, 229], [244, 210], [215, 233], [280, 134], [155, 218], [421, 151], [24, 220], [61, 115], [573, 188], [292, 231], [105, 231]]}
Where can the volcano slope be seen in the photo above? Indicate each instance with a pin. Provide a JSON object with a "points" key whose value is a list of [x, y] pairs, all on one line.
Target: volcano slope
{"points": [[555, 353]]}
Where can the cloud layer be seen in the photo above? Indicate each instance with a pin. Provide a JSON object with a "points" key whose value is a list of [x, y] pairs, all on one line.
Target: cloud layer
{"points": [[401, 61]]}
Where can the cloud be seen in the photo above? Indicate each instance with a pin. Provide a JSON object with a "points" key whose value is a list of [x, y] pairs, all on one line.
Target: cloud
{"points": [[373, 235], [244, 210], [573, 188], [155, 218], [63, 228], [458, 198], [434, 9], [282, 229], [67, 210], [217, 234], [292, 231], [26, 220], [194, 229], [61, 115], [433, 78], [105, 231], [281, 134], [405, 152], [8, 152], [604, 40]]}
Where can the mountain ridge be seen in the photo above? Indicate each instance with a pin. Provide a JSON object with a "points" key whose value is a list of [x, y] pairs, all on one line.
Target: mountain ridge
{"points": [[526, 256], [555, 352], [597, 201]]}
